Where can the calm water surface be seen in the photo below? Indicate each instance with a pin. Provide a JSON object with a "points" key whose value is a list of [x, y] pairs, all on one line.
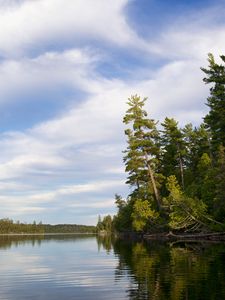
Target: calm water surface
{"points": [[86, 267]]}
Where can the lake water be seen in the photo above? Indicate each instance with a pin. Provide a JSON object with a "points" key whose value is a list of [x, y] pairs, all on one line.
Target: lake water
{"points": [[86, 267]]}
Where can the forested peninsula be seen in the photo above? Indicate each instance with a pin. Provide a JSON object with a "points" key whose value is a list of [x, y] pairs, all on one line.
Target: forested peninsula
{"points": [[176, 175], [8, 226]]}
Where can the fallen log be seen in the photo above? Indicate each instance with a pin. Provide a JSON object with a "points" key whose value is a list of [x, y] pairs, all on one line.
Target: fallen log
{"points": [[213, 236]]}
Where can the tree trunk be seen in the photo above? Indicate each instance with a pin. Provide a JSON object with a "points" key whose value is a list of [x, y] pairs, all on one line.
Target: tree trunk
{"points": [[181, 171], [151, 175]]}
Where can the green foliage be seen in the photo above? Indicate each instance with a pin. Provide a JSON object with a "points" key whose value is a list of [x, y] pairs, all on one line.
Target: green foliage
{"points": [[206, 181], [143, 214], [104, 225], [8, 226], [219, 200], [120, 203], [141, 155], [176, 175], [197, 142], [173, 150], [215, 76], [123, 221], [68, 228], [99, 225], [185, 213], [107, 223]]}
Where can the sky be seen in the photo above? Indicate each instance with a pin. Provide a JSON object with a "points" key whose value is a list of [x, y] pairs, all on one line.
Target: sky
{"points": [[67, 69]]}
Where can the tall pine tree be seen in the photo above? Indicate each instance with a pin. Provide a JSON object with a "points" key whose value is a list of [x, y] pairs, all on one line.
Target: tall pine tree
{"points": [[142, 152], [215, 120], [173, 150]]}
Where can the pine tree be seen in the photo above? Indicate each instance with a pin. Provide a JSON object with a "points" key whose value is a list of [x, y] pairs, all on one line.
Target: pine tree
{"points": [[215, 120], [197, 142], [205, 181], [173, 150], [122, 221], [219, 200], [142, 152]]}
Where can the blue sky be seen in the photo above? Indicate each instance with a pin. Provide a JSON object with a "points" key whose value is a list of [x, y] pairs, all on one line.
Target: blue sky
{"points": [[66, 71]]}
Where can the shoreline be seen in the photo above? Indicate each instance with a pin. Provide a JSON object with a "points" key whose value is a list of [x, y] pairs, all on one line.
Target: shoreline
{"points": [[170, 237], [46, 233], [216, 236]]}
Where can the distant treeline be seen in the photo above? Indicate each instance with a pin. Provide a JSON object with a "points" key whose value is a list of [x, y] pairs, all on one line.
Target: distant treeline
{"points": [[8, 226], [68, 228]]}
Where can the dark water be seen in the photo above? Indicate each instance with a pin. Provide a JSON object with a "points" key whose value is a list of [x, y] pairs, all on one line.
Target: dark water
{"points": [[86, 267]]}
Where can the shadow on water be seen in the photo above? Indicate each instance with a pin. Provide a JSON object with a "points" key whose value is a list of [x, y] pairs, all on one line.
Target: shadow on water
{"points": [[169, 271]]}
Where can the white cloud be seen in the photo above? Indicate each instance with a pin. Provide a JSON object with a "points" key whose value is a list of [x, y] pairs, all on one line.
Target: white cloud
{"points": [[10, 186], [90, 187], [109, 203], [30, 163], [176, 90], [35, 202], [68, 155], [34, 23], [192, 36], [197, 44], [87, 140], [72, 68]]}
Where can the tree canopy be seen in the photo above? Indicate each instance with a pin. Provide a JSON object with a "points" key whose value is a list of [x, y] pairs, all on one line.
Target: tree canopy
{"points": [[176, 174]]}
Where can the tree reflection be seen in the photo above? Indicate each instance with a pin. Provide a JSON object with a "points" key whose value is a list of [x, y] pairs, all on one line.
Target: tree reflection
{"points": [[171, 271], [8, 241], [106, 242]]}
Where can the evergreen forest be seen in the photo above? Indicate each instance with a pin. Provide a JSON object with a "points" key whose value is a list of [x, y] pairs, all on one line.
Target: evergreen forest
{"points": [[8, 226], [176, 174]]}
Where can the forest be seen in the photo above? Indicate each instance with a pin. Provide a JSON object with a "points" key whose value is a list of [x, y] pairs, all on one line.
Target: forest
{"points": [[69, 228], [176, 174], [8, 226]]}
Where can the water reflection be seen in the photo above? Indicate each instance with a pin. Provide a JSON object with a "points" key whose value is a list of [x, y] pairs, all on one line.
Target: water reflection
{"points": [[8, 241], [89, 267], [56, 267], [175, 271]]}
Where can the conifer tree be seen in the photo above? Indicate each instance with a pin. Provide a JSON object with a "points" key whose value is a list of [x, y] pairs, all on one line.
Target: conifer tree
{"points": [[215, 120], [173, 150], [142, 151], [197, 142], [205, 182], [219, 200], [122, 221], [191, 160]]}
